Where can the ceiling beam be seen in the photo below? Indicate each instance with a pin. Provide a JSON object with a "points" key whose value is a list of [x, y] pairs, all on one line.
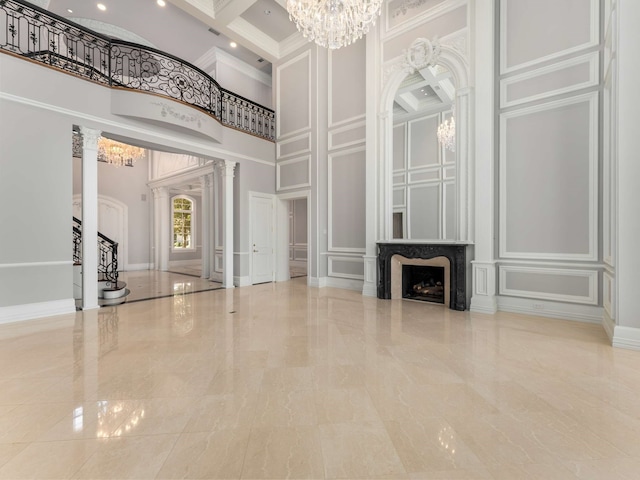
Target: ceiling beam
{"points": [[226, 11]]}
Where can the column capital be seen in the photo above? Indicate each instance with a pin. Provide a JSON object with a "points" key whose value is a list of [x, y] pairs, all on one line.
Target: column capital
{"points": [[160, 192], [90, 137], [226, 168]]}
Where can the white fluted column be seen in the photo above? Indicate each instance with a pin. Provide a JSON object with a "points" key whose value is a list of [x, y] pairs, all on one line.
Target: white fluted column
{"points": [[207, 219], [212, 224], [89, 217], [226, 169], [162, 234]]}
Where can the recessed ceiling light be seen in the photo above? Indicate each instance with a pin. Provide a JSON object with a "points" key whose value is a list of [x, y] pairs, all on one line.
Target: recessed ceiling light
{"points": [[267, 12], [233, 44], [101, 7], [69, 10], [162, 3]]}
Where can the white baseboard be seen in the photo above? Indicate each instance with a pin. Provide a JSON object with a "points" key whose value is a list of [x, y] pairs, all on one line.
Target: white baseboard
{"points": [[216, 277], [133, 267], [369, 289], [17, 313], [317, 282], [483, 304], [546, 308], [242, 281], [626, 337]]}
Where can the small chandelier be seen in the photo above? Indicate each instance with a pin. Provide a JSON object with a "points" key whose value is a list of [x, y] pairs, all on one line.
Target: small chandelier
{"points": [[118, 154], [447, 134], [333, 23]]}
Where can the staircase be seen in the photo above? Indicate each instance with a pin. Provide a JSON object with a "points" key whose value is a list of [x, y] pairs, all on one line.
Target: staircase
{"points": [[110, 290]]}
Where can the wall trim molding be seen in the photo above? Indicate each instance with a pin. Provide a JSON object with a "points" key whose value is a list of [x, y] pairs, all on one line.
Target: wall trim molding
{"points": [[594, 33], [592, 254], [550, 309], [280, 164], [590, 299], [333, 282], [306, 54], [242, 281], [17, 313], [36, 264], [352, 259], [626, 337]]}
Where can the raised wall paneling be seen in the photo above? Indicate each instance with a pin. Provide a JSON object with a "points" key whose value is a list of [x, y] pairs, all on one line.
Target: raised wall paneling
{"points": [[399, 179], [552, 29], [424, 211], [346, 267], [293, 110], [439, 22], [450, 210], [300, 253], [424, 148], [608, 170], [347, 99], [293, 173], [294, 146], [347, 136], [608, 294], [564, 77], [217, 265], [449, 173], [424, 176], [346, 202], [399, 197], [576, 286], [548, 181], [399, 148]]}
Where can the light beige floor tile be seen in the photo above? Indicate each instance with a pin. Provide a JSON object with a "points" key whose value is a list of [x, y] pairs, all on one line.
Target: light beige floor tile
{"points": [[526, 396], [285, 408], [345, 405], [220, 412], [281, 452], [461, 474], [207, 455], [431, 446], [49, 460], [128, 457], [358, 450]]}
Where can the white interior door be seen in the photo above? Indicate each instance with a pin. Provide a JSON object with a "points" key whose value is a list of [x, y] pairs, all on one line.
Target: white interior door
{"points": [[262, 234]]}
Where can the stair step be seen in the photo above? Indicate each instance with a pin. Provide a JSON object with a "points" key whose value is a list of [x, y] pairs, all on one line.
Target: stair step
{"points": [[103, 302]]}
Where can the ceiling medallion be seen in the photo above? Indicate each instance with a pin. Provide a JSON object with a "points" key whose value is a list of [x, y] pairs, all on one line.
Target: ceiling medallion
{"points": [[334, 23]]}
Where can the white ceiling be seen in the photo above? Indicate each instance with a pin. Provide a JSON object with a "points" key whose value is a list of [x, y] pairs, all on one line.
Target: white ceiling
{"points": [[261, 28]]}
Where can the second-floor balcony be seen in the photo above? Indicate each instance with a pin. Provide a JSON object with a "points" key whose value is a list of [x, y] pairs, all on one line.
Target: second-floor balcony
{"points": [[41, 36]]}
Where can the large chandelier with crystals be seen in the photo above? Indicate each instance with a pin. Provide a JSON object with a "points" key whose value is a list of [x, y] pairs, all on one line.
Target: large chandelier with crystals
{"points": [[447, 134], [334, 23], [118, 154]]}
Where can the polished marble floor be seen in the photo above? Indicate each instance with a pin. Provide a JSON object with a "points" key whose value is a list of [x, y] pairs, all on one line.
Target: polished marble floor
{"points": [[285, 381], [146, 284]]}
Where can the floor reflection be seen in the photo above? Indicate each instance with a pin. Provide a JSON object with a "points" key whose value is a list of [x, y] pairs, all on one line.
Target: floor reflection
{"points": [[148, 284]]}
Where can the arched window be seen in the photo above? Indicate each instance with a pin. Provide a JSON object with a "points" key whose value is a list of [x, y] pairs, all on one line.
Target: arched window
{"points": [[183, 214]]}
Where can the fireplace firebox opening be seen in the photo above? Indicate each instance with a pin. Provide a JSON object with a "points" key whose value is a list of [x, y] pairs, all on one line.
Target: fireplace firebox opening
{"points": [[423, 282]]}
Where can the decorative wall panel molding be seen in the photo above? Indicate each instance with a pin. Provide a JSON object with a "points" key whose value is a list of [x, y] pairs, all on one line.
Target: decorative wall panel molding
{"points": [[296, 110], [293, 146], [583, 290], [344, 167], [348, 135], [545, 33], [346, 267], [539, 171], [563, 77], [294, 173]]}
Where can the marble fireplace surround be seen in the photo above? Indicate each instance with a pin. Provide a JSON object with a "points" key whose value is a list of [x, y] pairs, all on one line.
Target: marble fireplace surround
{"points": [[451, 255]]}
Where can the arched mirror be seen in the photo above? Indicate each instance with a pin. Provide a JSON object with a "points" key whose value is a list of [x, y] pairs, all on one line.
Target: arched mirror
{"points": [[426, 188], [424, 158]]}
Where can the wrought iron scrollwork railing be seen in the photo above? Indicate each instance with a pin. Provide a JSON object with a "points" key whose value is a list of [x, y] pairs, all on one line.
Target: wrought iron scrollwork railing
{"points": [[41, 36], [107, 253]]}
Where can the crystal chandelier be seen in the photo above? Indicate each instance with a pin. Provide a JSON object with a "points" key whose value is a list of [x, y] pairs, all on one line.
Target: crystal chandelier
{"points": [[118, 154], [447, 134], [333, 23]]}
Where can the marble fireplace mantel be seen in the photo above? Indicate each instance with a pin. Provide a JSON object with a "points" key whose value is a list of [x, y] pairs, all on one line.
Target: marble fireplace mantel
{"points": [[459, 255]]}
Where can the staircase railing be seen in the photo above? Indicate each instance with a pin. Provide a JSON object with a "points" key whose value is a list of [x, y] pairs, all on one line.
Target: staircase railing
{"points": [[107, 253], [38, 35]]}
